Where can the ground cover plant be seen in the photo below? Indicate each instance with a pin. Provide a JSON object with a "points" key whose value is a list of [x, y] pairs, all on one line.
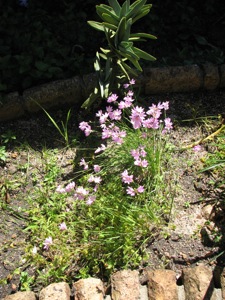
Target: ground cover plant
{"points": [[115, 201]]}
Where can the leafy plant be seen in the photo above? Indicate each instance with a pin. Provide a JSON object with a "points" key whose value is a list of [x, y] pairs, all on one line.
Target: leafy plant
{"points": [[3, 154], [114, 203], [26, 281], [8, 137], [117, 23]]}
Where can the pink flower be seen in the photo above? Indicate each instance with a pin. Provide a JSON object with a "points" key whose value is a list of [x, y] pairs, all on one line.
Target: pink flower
{"points": [[47, 243], [130, 191], [84, 126], [70, 186], [197, 148], [115, 115], [132, 81], [83, 163], [99, 149], [151, 123], [154, 111], [141, 163], [103, 118], [130, 94], [112, 98], [165, 105], [117, 136], [126, 85], [140, 189], [97, 168], [95, 179], [168, 124], [138, 152], [60, 189], [81, 193], [137, 117], [106, 133], [135, 153], [63, 226], [127, 178], [90, 200]]}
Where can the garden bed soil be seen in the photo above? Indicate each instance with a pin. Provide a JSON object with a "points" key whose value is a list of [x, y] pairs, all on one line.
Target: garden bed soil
{"points": [[187, 240]]}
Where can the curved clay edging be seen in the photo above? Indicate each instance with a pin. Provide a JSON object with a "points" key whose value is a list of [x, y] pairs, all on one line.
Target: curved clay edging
{"points": [[191, 78]]}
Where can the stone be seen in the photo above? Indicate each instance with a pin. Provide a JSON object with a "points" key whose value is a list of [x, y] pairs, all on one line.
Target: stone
{"points": [[53, 94], [162, 285], [173, 79], [198, 283], [21, 296], [208, 211], [211, 77], [222, 282], [143, 292], [11, 107], [125, 285], [222, 76], [88, 84], [89, 289], [55, 291]]}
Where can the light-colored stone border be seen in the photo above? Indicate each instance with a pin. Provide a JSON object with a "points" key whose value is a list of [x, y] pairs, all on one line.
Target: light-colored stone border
{"points": [[72, 91], [198, 283]]}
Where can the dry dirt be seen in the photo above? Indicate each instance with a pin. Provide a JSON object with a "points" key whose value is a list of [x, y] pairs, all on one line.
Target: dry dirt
{"points": [[188, 239]]}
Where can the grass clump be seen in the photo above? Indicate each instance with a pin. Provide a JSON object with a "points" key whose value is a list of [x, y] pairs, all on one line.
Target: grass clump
{"points": [[115, 202]]}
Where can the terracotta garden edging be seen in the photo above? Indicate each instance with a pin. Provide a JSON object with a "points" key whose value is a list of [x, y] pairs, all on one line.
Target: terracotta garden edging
{"points": [[75, 90]]}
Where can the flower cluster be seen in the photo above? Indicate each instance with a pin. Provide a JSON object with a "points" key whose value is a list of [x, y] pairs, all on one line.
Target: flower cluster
{"points": [[139, 118], [81, 193]]}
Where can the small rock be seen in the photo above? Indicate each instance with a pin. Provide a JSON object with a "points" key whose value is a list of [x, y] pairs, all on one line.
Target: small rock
{"points": [[89, 289], [162, 285], [21, 296], [198, 283], [125, 285], [55, 291]]}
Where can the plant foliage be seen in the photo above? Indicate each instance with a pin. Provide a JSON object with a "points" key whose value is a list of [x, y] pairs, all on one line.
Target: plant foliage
{"points": [[117, 21]]}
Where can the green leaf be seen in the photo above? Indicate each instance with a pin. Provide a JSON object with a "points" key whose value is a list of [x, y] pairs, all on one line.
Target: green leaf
{"points": [[135, 8], [143, 35], [127, 30], [105, 9], [143, 54], [91, 99], [120, 31], [109, 19], [96, 25], [126, 45], [125, 8], [144, 11], [119, 62], [110, 26], [130, 57], [128, 52], [129, 69], [115, 5]]}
